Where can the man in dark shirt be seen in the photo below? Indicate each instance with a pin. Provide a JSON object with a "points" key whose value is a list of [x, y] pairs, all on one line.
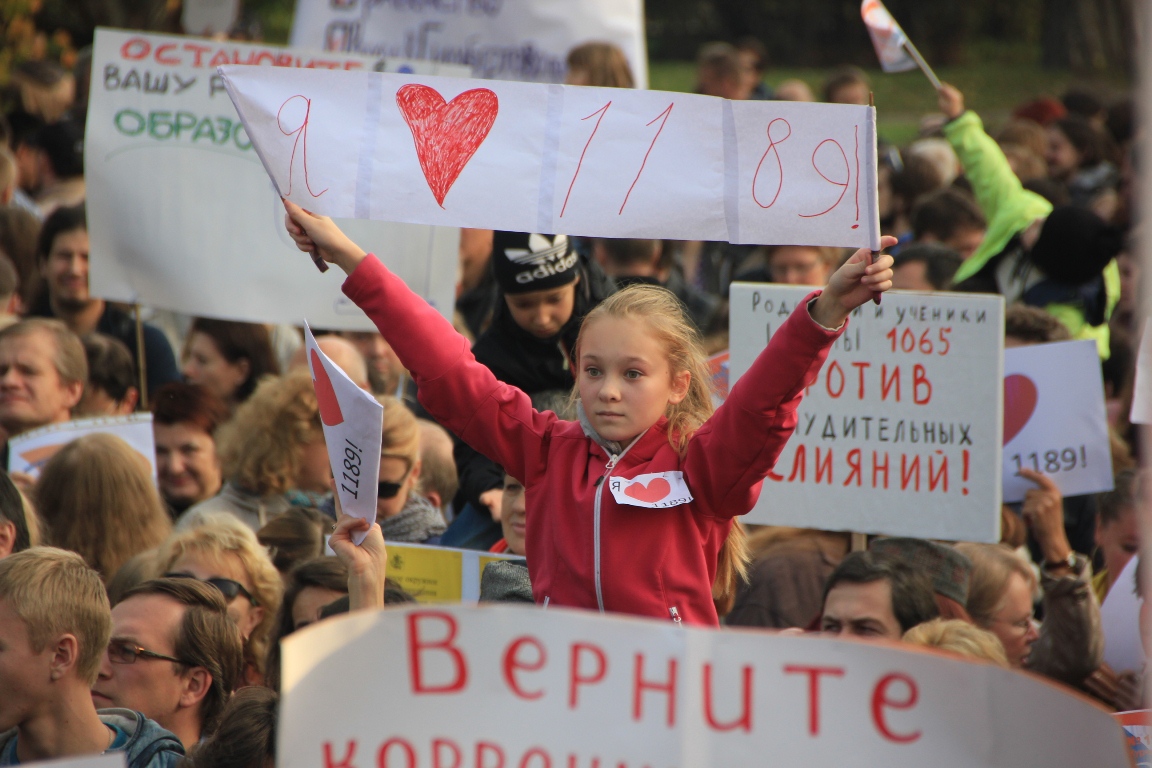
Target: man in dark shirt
{"points": [[63, 257]]}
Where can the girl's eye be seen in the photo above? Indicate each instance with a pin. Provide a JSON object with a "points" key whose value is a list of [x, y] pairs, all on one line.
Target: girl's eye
{"points": [[633, 374], [592, 371]]}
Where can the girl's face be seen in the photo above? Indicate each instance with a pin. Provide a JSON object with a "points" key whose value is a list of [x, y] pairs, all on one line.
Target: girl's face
{"points": [[625, 381], [543, 313], [204, 365]]}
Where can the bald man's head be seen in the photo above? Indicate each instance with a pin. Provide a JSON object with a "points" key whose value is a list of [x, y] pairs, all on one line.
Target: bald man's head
{"points": [[341, 352]]}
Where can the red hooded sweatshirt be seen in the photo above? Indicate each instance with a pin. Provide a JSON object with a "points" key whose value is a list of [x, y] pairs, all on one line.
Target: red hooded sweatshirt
{"points": [[584, 549]]}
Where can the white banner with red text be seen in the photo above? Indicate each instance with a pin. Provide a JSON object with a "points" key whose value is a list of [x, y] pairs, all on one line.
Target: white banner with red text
{"points": [[526, 157], [511, 687]]}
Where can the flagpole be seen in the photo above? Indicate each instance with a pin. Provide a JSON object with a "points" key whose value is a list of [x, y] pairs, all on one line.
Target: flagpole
{"points": [[927, 70]]}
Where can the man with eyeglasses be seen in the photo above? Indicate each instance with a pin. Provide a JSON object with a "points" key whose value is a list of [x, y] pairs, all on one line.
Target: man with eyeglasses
{"points": [[174, 655], [54, 627]]}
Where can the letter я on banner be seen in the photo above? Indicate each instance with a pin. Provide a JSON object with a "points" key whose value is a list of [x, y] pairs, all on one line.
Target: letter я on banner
{"points": [[353, 421]]}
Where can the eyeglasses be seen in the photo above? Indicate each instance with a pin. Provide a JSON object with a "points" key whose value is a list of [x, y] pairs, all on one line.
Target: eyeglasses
{"points": [[123, 652], [388, 490], [228, 587]]}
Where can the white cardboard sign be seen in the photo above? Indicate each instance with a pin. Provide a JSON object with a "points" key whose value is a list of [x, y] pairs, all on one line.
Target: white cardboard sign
{"points": [[115, 759], [30, 451], [526, 157], [900, 434], [180, 213], [353, 421], [501, 39], [1141, 412], [1054, 419], [500, 686], [1120, 621]]}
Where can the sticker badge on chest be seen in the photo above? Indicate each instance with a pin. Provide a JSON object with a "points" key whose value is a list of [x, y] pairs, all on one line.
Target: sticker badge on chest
{"points": [[655, 491]]}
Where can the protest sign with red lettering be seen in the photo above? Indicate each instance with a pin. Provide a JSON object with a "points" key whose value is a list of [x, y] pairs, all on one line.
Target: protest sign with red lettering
{"points": [[526, 157], [177, 197], [900, 434], [353, 422], [507, 687], [1054, 419], [524, 40]]}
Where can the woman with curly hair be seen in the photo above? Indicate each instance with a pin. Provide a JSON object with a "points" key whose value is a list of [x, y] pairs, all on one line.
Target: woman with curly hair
{"points": [[272, 454]]}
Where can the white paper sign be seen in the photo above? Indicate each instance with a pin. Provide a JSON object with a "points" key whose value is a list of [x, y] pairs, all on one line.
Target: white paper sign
{"points": [[1054, 419], [526, 157], [502, 39], [353, 421], [30, 451], [1120, 621], [657, 490], [502, 686], [106, 760], [180, 213], [900, 434], [1142, 388]]}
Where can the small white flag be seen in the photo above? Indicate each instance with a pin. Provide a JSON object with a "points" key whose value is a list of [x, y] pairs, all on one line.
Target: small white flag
{"points": [[353, 421], [887, 37]]}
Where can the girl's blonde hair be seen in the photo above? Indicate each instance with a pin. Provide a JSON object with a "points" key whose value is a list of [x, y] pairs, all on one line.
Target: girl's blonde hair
{"points": [[260, 448], [669, 324], [96, 497]]}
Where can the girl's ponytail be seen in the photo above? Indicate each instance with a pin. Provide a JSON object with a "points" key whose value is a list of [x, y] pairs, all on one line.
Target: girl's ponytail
{"points": [[731, 568]]}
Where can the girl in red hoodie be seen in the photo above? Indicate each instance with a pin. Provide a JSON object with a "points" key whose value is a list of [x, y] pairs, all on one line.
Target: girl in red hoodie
{"points": [[629, 507]]}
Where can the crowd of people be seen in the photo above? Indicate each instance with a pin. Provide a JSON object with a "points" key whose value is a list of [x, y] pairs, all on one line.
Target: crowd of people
{"points": [[146, 616]]}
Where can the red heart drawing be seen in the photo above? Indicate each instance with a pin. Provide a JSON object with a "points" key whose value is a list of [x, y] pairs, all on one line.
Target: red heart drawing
{"points": [[657, 489], [330, 412], [446, 135], [1020, 397]]}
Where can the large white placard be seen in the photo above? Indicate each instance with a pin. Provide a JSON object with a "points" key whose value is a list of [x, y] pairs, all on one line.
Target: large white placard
{"points": [[900, 434], [1054, 419], [499, 686], [30, 451], [180, 213], [502, 39], [604, 162]]}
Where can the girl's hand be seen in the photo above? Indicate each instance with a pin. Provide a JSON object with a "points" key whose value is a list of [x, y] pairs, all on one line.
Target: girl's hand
{"points": [[950, 101], [854, 284], [321, 236]]}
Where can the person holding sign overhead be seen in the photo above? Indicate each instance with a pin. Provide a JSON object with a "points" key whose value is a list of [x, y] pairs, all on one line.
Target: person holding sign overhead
{"points": [[630, 508]]}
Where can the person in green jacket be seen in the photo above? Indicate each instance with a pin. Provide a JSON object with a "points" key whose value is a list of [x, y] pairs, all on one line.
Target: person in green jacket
{"points": [[1061, 259]]}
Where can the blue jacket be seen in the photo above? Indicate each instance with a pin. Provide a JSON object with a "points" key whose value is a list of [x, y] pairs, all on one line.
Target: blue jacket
{"points": [[144, 743]]}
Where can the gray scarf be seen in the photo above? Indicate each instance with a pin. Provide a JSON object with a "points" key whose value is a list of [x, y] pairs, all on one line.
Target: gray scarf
{"points": [[418, 522]]}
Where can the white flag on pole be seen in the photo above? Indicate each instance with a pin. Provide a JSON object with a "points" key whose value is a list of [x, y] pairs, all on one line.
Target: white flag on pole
{"points": [[887, 37]]}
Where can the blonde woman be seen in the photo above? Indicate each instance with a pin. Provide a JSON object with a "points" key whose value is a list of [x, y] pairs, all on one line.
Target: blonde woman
{"points": [[403, 514], [96, 497], [219, 549]]}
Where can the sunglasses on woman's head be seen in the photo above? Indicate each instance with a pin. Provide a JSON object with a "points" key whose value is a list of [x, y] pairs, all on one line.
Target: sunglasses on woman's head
{"points": [[388, 490], [228, 587]]}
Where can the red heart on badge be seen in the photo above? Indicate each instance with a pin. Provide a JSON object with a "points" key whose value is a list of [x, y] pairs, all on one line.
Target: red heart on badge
{"points": [[1020, 397], [657, 489], [330, 412], [446, 134]]}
